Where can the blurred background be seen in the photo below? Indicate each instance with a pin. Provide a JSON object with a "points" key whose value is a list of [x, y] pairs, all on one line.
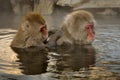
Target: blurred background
{"points": [[11, 11]]}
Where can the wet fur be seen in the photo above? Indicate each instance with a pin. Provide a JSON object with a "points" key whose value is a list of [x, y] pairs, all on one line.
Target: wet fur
{"points": [[73, 27], [28, 33]]}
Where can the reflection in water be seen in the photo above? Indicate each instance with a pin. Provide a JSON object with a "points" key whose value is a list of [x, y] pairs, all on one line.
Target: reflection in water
{"points": [[76, 63], [76, 57], [71, 58], [33, 60]]}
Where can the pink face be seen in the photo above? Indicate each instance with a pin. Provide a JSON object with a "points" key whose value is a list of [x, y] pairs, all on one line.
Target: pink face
{"points": [[44, 31], [90, 31]]}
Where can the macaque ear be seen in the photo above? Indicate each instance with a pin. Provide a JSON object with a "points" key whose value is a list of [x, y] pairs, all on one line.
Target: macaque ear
{"points": [[25, 25], [43, 29]]}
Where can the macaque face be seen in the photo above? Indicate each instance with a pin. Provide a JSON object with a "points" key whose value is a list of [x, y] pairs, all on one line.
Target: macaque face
{"points": [[44, 32], [90, 32]]}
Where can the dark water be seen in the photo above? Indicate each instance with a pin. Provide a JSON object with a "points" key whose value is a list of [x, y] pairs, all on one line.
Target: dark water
{"points": [[101, 61]]}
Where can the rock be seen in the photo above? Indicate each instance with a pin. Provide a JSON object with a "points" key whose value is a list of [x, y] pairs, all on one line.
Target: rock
{"points": [[47, 6], [44, 6], [99, 4], [68, 2], [108, 12], [21, 6]]}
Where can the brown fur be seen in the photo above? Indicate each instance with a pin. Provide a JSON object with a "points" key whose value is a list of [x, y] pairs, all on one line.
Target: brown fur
{"points": [[73, 27], [29, 32], [34, 17]]}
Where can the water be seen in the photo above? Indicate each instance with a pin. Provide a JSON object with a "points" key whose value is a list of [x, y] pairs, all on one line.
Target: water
{"points": [[101, 61]]}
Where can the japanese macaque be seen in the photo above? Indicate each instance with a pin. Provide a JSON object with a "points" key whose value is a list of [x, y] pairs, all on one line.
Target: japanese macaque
{"points": [[77, 28], [32, 32]]}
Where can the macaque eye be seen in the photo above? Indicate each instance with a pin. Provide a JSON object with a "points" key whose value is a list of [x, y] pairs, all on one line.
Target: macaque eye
{"points": [[89, 26], [92, 26]]}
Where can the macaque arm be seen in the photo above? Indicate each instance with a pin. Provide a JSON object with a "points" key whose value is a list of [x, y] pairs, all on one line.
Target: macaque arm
{"points": [[64, 40], [60, 40], [53, 37]]}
